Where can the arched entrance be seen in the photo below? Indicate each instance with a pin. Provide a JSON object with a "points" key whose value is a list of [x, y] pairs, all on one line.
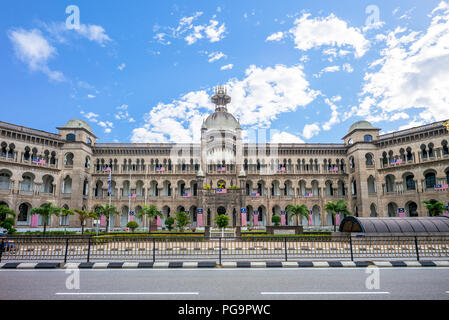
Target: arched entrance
{"points": [[221, 210]]}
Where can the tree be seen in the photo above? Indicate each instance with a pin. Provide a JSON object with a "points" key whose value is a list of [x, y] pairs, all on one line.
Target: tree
{"points": [[106, 211], [435, 208], [133, 225], [169, 222], [151, 213], [335, 208], [276, 219], [182, 219], [8, 224], [222, 222], [5, 212], [300, 211], [83, 216], [46, 211]]}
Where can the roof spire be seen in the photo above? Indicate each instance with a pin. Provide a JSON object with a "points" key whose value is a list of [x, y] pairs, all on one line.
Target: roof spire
{"points": [[220, 98]]}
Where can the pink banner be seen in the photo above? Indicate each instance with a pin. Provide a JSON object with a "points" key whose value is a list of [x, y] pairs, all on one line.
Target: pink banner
{"points": [[446, 214], [243, 214], [158, 221], [102, 221], [255, 218], [337, 219], [402, 214], [199, 218], [282, 219], [131, 217], [34, 220], [310, 220]]}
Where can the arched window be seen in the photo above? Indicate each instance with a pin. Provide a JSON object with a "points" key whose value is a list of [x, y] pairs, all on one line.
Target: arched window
{"points": [[89, 141], [87, 163], [410, 182], [409, 154], [368, 138], [24, 214], [369, 159], [445, 148], [430, 180], [5, 180], [423, 151], [68, 159], [70, 137], [351, 162]]}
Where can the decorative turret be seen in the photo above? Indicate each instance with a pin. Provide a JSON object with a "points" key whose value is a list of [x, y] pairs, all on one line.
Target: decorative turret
{"points": [[221, 99]]}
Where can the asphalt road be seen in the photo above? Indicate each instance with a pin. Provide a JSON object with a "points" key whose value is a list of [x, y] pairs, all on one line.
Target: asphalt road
{"points": [[224, 284]]}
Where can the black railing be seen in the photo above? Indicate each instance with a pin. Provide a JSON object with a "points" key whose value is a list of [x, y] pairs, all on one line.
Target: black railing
{"points": [[146, 248]]}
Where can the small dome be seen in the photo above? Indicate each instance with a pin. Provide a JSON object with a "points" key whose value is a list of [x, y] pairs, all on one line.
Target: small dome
{"points": [[221, 120], [361, 125], [78, 123]]}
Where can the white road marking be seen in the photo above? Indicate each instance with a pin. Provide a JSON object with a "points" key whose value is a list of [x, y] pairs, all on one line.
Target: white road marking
{"points": [[126, 293], [326, 293]]}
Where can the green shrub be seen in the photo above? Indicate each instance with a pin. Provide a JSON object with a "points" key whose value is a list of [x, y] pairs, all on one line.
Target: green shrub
{"points": [[169, 222], [133, 225], [222, 220], [182, 219], [276, 219]]}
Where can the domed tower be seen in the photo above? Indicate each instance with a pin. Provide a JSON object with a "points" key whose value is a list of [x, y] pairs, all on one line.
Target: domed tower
{"points": [[221, 135]]}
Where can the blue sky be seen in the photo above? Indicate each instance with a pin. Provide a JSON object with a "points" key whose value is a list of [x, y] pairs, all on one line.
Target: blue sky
{"points": [[143, 71]]}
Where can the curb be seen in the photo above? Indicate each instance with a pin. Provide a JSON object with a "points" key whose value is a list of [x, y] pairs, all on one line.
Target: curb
{"points": [[227, 264]]}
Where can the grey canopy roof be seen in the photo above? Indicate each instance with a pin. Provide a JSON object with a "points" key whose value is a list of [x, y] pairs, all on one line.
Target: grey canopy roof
{"points": [[395, 224]]}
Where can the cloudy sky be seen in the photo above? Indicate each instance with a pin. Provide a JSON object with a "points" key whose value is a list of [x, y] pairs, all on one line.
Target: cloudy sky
{"points": [[143, 71]]}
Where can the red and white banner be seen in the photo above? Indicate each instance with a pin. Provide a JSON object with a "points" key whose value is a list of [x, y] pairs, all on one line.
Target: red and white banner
{"points": [[337, 219], [282, 219], [158, 221], [310, 220]]}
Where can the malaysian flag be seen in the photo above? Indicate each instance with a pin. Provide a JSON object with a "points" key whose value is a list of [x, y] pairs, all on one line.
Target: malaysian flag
{"points": [[160, 169], [132, 195], [221, 190], [441, 187], [40, 161], [282, 218], [106, 169], [187, 195], [243, 216], [281, 169], [308, 195], [335, 169], [255, 195], [255, 218], [220, 168], [397, 161], [199, 217]]}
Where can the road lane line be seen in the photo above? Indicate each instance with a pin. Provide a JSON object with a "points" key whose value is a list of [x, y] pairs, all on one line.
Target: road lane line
{"points": [[126, 293], [325, 293]]}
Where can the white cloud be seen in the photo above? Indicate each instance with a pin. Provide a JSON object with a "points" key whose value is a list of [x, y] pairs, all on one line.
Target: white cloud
{"points": [[310, 130], [257, 100], [122, 107], [91, 96], [412, 73], [33, 49], [215, 56], [191, 32], [275, 36], [93, 33], [285, 137], [121, 67], [331, 69], [90, 116], [329, 31], [227, 67], [334, 113], [347, 67]]}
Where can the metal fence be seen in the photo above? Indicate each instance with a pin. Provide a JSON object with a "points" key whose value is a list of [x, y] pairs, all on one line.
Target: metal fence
{"points": [[66, 249]]}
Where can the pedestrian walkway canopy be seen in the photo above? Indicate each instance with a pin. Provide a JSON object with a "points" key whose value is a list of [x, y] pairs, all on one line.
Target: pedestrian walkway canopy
{"points": [[395, 224]]}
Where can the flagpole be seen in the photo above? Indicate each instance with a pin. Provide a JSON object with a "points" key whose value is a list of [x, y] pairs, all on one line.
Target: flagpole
{"points": [[129, 198]]}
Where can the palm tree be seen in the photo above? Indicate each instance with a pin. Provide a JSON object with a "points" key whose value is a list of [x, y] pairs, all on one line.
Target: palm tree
{"points": [[151, 213], [107, 211], [336, 208], [435, 208], [83, 216], [299, 210], [46, 211], [5, 212]]}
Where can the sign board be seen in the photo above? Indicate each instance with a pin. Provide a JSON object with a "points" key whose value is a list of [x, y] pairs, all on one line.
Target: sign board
{"points": [[401, 210], [287, 231], [131, 213]]}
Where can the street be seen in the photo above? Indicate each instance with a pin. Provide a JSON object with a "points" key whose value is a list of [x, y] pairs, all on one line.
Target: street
{"points": [[226, 284]]}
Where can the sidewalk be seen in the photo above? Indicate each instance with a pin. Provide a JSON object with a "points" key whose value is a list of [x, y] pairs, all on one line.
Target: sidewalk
{"points": [[238, 264]]}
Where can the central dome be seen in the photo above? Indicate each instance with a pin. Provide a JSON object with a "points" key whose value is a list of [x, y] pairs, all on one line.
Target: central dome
{"points": [[221, 120], [78, 123]]}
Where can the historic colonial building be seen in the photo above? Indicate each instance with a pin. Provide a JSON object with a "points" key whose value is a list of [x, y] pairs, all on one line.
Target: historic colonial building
{"points": [[377, 174]]}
